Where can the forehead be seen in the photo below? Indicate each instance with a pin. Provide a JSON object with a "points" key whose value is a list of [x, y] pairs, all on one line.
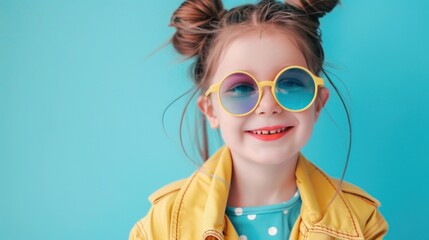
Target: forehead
{"points": [[261, 52]]}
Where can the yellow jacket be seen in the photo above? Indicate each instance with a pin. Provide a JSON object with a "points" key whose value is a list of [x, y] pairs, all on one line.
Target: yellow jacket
{"points": [[194, 208]]}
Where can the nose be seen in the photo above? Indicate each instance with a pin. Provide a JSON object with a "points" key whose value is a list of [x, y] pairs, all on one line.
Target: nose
{"points": [[268, 104]]}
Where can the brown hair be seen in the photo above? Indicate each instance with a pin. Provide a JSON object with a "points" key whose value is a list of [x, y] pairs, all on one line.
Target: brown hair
{"points": [[204, 28]]}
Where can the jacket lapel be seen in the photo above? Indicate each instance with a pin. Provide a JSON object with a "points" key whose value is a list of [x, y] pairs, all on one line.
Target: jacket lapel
{"points": [[324, 212], [201, 202]]}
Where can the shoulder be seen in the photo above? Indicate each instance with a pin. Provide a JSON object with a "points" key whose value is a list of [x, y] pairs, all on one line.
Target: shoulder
{"points": [[355, 193], [351, 191], [355, 196], [168, 191], [366, 209], [156, 223], [163, 200]]}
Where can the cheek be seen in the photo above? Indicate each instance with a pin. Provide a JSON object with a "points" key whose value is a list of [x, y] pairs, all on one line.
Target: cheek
{"points": [[231, 128], [309, 115], [229, 134], [306, 120], [228, 124]]}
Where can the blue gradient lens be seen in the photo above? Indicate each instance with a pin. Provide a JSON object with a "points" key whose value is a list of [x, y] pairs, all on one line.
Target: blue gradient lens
{"points": [[295, 89], [239, 93]]}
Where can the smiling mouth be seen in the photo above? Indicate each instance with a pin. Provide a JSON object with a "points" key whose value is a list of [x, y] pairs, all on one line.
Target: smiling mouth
{"points": [[270, 132]]}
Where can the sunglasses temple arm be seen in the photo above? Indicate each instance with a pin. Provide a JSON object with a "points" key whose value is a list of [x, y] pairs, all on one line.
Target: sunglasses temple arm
{"points": [[320, 81]]}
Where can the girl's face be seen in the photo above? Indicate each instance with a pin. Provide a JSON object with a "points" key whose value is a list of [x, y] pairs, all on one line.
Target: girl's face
{"points": [[263, 54]]}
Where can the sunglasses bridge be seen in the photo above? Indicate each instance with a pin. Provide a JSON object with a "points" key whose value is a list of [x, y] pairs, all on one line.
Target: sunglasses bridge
{"points": [[266, 84]]}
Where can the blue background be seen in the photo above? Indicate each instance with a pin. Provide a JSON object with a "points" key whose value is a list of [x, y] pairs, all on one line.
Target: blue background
{"points": [[81, 99]]}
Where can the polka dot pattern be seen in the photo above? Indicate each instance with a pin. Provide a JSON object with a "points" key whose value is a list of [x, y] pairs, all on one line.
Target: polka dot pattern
{"points": [[272, 231], [238, 211], [272, 222]]}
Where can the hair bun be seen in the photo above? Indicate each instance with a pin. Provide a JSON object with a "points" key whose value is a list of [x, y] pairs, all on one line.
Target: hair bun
{"points": [[315, 8], [195, 21]]}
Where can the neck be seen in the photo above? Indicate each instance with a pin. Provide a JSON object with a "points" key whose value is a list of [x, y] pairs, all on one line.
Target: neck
{"points": [[255, 184]]}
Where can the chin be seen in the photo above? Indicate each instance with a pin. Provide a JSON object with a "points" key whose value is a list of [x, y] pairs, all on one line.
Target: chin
{"points": [[273, 158]]}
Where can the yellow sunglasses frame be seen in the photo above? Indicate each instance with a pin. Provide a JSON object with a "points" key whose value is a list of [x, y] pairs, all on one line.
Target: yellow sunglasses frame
{"points": [[318, 81]]}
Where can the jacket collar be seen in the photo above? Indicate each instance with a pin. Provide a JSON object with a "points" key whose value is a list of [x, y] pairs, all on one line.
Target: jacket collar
{"points": [[201, 202], [324, 209]]}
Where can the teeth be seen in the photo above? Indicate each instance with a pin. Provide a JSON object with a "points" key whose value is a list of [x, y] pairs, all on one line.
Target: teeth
{"points": [[266, 132]]}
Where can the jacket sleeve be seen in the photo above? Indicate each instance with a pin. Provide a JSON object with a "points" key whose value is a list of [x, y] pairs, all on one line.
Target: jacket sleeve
{"points": [[376, 227], [156, 224], [138, 232]]}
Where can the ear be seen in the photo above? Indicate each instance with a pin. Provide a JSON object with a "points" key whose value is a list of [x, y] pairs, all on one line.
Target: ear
{"points": [[206, 107], [323, 96]]}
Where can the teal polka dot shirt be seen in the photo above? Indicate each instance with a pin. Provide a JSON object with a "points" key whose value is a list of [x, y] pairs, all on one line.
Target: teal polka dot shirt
{"points": [[265, 222]]}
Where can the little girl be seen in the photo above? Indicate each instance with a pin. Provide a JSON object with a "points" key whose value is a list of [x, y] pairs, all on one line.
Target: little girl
{"points": [[257, 69]]}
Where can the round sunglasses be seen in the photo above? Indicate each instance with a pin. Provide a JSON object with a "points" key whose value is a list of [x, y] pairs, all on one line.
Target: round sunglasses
{"points": [[294, 88]]}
